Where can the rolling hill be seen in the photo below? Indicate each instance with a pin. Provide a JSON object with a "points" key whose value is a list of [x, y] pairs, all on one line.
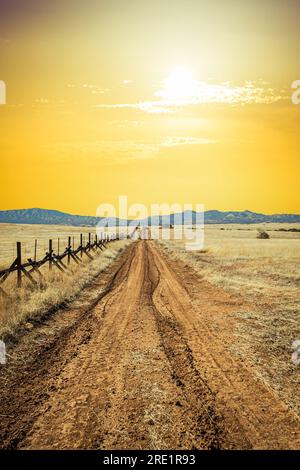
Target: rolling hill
{"points": [[54, 217]]}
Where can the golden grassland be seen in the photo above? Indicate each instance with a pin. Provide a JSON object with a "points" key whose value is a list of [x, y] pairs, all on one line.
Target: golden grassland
{"points": [[30, 303], [27, 234], [266, 273]]}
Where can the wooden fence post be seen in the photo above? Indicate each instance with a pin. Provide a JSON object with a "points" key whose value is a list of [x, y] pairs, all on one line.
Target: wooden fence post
{"points": [[19, 264], [89, 241], [50, 255], [35, 249], [81, 244], [69, 250]]}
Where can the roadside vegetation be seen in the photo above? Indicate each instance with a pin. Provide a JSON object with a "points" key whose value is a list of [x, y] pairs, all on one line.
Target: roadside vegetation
{"points": [[264, 273], [29, 304]]}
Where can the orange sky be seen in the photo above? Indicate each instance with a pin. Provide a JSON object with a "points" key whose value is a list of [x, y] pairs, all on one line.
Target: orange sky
{"points": [[181, 102]]}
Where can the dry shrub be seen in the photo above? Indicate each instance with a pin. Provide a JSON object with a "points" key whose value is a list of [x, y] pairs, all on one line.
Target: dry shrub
{"points": [[262, 234]]}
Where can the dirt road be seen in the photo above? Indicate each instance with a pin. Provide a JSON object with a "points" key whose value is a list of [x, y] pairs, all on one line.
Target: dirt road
{"points": [[141, 361]]}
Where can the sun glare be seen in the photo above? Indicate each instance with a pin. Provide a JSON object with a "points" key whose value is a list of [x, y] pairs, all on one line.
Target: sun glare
{"points": [[180, 85]]}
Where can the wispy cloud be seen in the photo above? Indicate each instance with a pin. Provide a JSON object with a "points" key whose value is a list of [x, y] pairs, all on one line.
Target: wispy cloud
{"points": [[176, 141], [46, 102], [122, 151], [94, 89], [198, 93], [151, 107], [108, 152], [226, 92]]}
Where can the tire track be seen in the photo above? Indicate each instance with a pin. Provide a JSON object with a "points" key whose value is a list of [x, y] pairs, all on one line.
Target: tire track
{"points": [[205, 426], [254, 416], [27, 385]]}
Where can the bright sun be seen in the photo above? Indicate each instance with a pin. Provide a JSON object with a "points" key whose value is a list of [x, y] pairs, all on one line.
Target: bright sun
{"points": [[180, 85]]}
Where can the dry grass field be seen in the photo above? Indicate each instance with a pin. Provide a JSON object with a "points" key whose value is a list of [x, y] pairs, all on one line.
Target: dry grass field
{"points": [[29, 303], [266, 273], [27, 234]]}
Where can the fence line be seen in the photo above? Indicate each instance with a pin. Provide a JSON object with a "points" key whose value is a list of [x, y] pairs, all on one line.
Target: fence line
{"points": [[54, 260]]}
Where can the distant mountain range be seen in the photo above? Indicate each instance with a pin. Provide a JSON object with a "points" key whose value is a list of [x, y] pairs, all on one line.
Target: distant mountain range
{"points": [[45, 216]]}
